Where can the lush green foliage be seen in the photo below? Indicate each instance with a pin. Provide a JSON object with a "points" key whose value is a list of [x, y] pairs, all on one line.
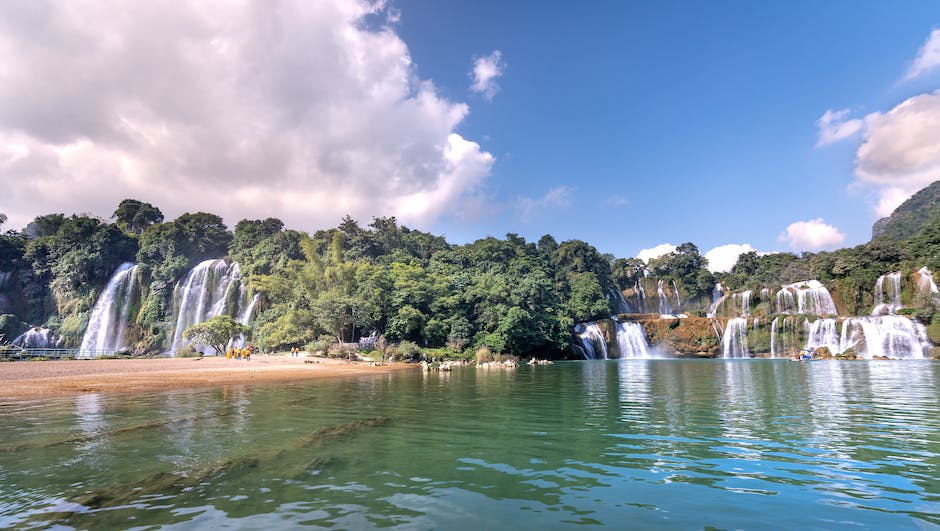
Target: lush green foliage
{"points": [[507, 296]]}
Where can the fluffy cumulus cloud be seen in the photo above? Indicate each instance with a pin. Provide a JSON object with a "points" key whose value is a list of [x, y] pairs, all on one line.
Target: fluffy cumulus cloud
{"points": [[655, 252], [722, 258], [928, 57], [812, 235], [900, 151], [834, 126], [560, 196], [297, 110], [484, 74]]}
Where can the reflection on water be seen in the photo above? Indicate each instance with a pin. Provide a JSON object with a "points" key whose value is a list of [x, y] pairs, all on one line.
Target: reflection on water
{"points": [[656, 443]]}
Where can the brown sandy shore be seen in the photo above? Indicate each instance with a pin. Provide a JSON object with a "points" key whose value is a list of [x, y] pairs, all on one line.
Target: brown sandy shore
{"points": [[45, 378]]}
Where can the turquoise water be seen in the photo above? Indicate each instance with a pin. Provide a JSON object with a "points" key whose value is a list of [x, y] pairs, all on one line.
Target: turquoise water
{"points": [[645, 444]]}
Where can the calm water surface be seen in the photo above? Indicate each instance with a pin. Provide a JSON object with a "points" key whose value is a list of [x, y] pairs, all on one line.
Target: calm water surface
{"points": [[630, 444]]}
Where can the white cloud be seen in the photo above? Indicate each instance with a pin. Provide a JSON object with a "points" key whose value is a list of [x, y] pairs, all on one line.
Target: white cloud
{"points": [[299, 112], [722, 258], [812, 235], [833, 126], [559, 196], [485, 71], [928, 57], [900, 150], [655, 252]]}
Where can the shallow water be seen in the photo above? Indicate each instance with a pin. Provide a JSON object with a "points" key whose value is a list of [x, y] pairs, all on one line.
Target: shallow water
{"points": [[648, 444]]}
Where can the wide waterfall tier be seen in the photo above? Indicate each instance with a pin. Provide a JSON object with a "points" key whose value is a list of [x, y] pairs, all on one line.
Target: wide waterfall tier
{"points": [[888, 336], [212, 288], [37, 337], [887, 294], [631, 341], [110, 318], [593, 342], [734, 340], [809, 297]]}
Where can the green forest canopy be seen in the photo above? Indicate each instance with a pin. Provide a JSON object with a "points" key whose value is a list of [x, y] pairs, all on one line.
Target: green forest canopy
{"points": [[509, 295]]}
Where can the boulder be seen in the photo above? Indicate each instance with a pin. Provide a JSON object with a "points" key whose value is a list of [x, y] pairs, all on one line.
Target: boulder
{"points": [[822, 353]]}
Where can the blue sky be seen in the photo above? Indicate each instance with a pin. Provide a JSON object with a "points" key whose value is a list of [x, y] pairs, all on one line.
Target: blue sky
{"points": [[672, 121], [778, 126]]}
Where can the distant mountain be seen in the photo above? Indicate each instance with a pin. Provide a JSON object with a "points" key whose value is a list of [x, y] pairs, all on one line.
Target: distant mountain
{"points": [[908, 218]]}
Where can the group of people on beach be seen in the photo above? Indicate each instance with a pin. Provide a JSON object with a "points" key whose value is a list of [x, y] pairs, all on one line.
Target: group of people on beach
{"points": [[239, 353], [295, 352]]}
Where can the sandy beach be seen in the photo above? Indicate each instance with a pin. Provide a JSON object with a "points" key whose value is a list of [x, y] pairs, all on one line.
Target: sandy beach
{"points": [[36, 379]]}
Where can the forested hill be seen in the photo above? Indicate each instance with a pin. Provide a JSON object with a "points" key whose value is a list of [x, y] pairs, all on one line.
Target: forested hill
{"points": [[509, 295], [909, 218]]}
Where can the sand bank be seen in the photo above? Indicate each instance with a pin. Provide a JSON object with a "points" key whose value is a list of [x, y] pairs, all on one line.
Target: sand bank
{"points": [[32, 379]]}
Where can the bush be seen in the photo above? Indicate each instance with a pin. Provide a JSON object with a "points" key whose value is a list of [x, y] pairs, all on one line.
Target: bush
{"points": [[484, 355], [406, 349]]}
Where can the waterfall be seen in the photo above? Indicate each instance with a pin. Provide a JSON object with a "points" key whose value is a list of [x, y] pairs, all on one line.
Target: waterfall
{"points": [[664, 306], [631, 339], [746, 303], [824, 333], [678, 301], [37, 337], [717, 292], [593, 342], [210, 289], [773, 337], [641, 295], [245, 318], [734, 342], [925, 283], [110, 317], [6, 275], [891, 336], [713, 309], [889, 284], [616, 296], [807, 298]]}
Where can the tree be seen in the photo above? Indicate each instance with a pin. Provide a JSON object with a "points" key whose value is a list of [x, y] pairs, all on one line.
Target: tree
{"points": [[216, 332], [134, 216]]}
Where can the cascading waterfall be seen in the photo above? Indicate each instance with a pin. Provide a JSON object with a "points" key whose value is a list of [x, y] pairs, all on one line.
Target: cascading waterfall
{"points": [[593, 342], [675, 288], [809, 298], [37, 337], [5, 279], [824, 333], [245, 318], [664, 306], [631, 340], [717, 292], [746, 303], [925, 282], [641, 296], [109, 319], [891, 336], [210, 289], [616, 296], [773, 337], [734, 340], [889, 285]]}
